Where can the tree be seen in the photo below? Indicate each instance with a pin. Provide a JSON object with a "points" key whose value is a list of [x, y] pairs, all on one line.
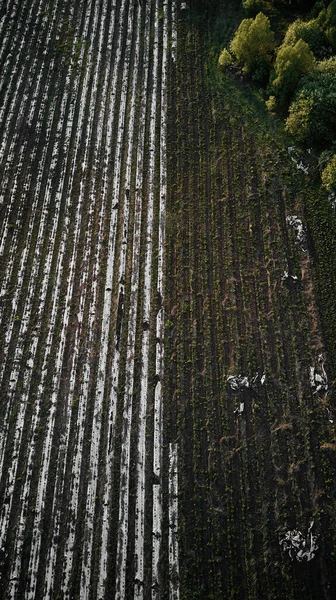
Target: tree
{"points": [[330, 24], [253, 46], [310, 32], [312, 114], [329, 175], [225, 59], [253, 7], [291, 63], [293, 3], [327, 65]]}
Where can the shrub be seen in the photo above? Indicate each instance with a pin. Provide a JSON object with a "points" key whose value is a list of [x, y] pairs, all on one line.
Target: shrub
{"points": [[310, 32], [292, 62], [253, 7], [225, 59], [271, 104], [327, 66], [329, 175], [253, 46], [312, 114], [327, 20]]}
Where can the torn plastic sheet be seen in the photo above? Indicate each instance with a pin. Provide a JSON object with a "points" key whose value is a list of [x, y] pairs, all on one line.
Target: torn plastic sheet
{"points": [[332, 199], [330, 419], [318, 378], [286, 275], [240, 409], [239, 382], [300, 547], [299, 229], [296, 159]]}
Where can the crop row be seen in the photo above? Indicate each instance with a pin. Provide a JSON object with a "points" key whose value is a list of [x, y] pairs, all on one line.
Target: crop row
{"points": [[242, 333], [84, 476]]}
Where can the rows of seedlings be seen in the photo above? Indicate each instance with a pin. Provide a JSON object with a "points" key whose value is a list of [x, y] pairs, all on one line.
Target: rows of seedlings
{"points": [[87, 484], [246, 389], [68, 129]]}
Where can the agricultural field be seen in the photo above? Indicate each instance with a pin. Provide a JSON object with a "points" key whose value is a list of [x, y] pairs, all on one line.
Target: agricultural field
{"points": [[83, 171], [167, 412]]}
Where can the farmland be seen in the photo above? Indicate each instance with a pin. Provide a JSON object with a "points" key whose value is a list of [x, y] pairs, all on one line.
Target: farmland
{"points": [[167, 415]]}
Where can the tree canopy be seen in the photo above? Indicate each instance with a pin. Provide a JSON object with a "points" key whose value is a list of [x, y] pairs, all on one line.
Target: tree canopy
{"points": [[310, 32], [291, 63], [329, 175], [253, 45], [312, 114]]}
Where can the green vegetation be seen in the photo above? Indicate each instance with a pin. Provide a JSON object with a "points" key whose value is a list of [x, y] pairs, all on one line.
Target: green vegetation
{"points": [[312, 114], [232, 183], [290, 64], [329, 175], [302, 83], [253, 46], [310, 32]]}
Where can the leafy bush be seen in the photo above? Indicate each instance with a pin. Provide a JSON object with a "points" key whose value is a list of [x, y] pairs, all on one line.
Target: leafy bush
{"points": [[327, 66], [253, 7], [329, 175], [253, 46], [312, 114], [327, 20], [225, 59], [271, 104], [291, 63], [310, 32]]}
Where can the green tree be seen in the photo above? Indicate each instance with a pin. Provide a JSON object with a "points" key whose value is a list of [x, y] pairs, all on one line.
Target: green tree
{"points": [[225, 59], [294, 3], [310, 32], [291, 63], [253, 46], [312, 114], [329, 175], [327, 65], [330, 24], [253, 7]]}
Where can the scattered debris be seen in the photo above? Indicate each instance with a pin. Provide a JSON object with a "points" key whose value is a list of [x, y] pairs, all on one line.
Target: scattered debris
{"points": [[301, 167], [240, 409], [332, 199], [239, 382], [295, 157], [318, 377], [184, 6], [286, 276], [299, 229], [329, 415], [298, 546]]}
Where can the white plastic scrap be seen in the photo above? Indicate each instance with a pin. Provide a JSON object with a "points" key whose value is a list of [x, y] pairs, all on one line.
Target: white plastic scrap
{"points": [[240, 409], [332, 199], [298, 546], [298, 227], [296, 159], [239, 382], [301, 167], [286, 275], [329, 415], [318, 380], [184, 6]]}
